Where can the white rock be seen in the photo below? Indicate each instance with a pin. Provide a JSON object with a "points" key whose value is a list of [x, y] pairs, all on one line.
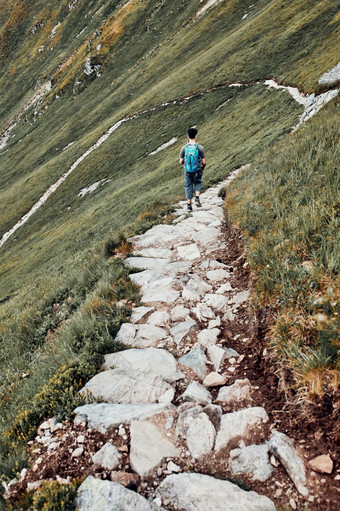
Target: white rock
{"points": [[127, 333], [214, 323], [119, 386], [218, 275], [179, 312], [202, 311], [322, 464], [195, 428], [148, 447], [225, 288], [182, 329], [214, 379], [77, 452], [217, 356], [160, 291], [239, 391], [197, 492], [172, 467], [103, 416], [208, 337], [241, 297], [157, 253], [151, 361], [158, 318], [197, 393], [241, 424], [283, 449], [195, 289], [95, 494], [139, 312], [207, 236], [251, 461], [196, 360], [189, 252], [218, 302], [147, 263], [107, 457]]}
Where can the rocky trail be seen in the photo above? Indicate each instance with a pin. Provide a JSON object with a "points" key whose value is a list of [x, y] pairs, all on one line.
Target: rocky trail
{"points": [[189, 418]]}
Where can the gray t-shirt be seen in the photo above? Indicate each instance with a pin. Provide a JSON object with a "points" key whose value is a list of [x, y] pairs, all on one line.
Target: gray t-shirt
{"points": [[200, 152]]}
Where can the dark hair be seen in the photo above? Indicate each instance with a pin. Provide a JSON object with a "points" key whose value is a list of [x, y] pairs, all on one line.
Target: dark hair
{"points": [[192, 132]]}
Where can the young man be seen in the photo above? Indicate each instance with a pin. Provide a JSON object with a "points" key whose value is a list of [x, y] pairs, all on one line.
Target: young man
{"points": [[192, 156]]}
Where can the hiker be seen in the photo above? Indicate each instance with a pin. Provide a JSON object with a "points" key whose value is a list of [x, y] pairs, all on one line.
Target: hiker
{"points": [[192, 156]]}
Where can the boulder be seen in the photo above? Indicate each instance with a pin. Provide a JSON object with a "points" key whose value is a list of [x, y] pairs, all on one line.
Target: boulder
{"points": [[197, 492], [214, 379], [283, 449], [240, 425], [158, 318], [217, 356], [139, 312], [148, 447], [208, 337]]}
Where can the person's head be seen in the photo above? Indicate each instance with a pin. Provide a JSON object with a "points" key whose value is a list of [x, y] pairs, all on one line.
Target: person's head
{"points": [[192, 133]]}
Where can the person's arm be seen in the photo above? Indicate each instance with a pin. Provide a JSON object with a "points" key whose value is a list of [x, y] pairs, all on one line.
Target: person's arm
{"points": [[202, 155], [204, 162], [181, 156]]}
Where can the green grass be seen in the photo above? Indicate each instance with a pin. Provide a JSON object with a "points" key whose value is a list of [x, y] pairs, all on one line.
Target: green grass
{"points": [[288, 208]]}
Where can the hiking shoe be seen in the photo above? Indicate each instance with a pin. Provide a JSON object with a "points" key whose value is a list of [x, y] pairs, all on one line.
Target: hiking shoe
{"points": [[189, 207], [198, 202]]}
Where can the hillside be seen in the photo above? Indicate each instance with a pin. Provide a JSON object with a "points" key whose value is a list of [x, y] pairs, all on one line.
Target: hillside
{"points": [[95, 105]]}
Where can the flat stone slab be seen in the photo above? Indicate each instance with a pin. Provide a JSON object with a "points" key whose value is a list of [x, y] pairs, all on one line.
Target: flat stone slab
{"points": [[189, 252], [179, 312], [196, 288], [196, 360], [283, 449], [141, 336], [109, 496], [160, 291], [216, 301], [158, 318], [252, 461], [217, 356], [119, 386], [195, 428], [148, 447], [218, 275], [146, 263], [208, 337], [139, 312], [207, 236], [104, 416], [240, 425], [151, 361], [157, 253], [197, 492], [182, 329]]}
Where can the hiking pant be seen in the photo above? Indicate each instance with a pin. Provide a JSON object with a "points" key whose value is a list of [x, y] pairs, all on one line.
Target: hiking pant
{"points": [[192, 181]]}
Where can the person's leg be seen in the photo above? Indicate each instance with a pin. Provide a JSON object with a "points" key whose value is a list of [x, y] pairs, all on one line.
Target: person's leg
{"points": [[188, 186], [198, 187]]}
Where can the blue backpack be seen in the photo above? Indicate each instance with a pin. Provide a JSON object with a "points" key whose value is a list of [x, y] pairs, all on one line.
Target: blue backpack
{"points": [[191, 158]]}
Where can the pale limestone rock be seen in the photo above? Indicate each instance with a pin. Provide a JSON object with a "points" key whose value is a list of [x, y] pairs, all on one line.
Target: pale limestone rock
{"points": [[104, 416], [239, 391], [218, 275], [208, 337], [148, 447], [119, 386], [197, 393], [157, 253], [225, 288], [218, 302], [207, 236], [212, 264], [240, 424], [322, 464], [214, 323], [179, 312], [202, 311], [127, 333], [231, 353], [172, 467], [195, 428], [160, 291], [197, 492], [196, 360], [179, 331], [151, 361], [252, 461], [241, 297], [77, 452], [217, 356], [139, 312], [158, 318], [189, 252], [195, 289], [107, 457], [283, 449], [214, 379], [95, 494], [147, 263]]}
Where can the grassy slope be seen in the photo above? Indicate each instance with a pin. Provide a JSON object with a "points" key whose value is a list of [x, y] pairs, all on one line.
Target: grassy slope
{"points": [[47, 261]]}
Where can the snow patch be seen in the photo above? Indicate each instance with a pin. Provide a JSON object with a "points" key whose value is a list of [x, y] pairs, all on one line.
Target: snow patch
{"points": [[164, 146]]}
